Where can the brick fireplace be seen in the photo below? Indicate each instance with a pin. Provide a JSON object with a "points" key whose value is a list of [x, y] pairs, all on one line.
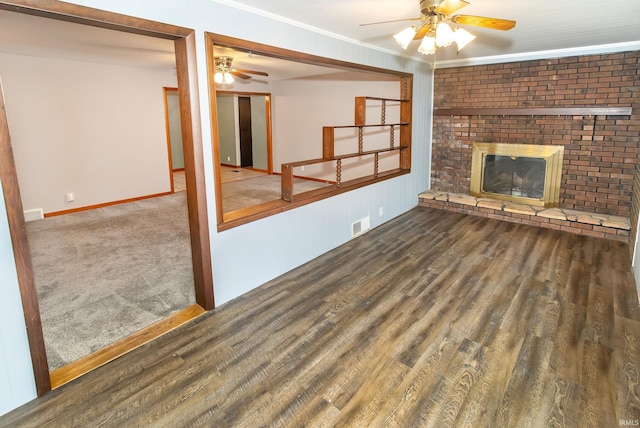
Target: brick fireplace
{"points": [[589, 105]]}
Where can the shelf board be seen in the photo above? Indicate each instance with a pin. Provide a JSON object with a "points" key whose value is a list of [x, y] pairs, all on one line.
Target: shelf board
{"points": [[535, 111], [368, 126]]}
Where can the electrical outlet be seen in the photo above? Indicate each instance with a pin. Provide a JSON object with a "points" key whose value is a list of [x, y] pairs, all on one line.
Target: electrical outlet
{"points": [[69, 197], [380, 211], [228, 158], [302, 168]]}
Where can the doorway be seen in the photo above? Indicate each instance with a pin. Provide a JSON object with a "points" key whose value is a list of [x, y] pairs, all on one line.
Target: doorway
{"points": [[244, 130], [184, 42], [244, 125]]}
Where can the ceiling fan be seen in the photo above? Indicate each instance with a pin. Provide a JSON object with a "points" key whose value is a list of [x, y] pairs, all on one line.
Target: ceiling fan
{"points": [[224, 73], [435, 29]]}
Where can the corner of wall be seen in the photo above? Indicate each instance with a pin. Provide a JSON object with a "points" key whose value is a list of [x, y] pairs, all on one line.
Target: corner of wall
{"points": [[17, 382]]}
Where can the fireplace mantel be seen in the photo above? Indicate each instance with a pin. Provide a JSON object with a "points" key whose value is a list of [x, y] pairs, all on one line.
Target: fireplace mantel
{"points": [[535, 111]]}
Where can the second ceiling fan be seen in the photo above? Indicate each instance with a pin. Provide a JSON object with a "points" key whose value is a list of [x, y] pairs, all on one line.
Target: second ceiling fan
{"points": [[224, 73]]}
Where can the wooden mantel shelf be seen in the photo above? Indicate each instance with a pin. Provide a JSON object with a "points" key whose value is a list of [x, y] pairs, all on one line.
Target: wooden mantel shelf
{"points": [[534, 111]]}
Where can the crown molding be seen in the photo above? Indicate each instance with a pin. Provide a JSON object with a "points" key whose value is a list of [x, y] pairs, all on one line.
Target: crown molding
{"points": [[528, 56]]}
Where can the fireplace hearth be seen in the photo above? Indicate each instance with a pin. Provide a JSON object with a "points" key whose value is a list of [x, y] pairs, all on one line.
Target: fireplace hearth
{"points": [[517, 172]]}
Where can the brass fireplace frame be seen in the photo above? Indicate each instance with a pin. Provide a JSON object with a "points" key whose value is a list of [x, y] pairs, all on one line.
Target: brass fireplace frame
{"points": [[553, 156]]}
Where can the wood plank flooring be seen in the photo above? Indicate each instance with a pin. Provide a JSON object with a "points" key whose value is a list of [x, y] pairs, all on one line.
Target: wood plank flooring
{"points": [[433, 319]]}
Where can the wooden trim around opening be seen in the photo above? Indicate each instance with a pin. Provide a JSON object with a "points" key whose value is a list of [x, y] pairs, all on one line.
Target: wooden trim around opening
{"points": [[101, 357], [256, 212], [167, 128], [184, 40], [22, 255], [239, 217], [194, 169]]}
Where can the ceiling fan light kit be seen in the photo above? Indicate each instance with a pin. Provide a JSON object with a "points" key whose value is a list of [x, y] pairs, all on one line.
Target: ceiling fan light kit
{"points": [[427, 46], [435, 30], [224, 74], [223, 77], [444, 35], [405, 36]]}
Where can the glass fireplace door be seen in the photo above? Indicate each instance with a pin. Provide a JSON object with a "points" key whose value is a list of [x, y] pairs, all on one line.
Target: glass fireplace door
{"points": [[514, 176]]}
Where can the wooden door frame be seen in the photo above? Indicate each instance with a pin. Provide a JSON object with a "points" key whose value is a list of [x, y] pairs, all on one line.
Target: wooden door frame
{"points": [[165, 92], [184, 40], [267, 101], [242, 135]]}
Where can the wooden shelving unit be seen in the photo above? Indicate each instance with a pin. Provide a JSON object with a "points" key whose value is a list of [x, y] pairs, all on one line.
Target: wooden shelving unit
{"points": [[360, 123]]}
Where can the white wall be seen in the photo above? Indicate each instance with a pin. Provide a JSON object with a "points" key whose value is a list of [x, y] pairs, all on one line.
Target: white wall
{"points": [[279, 243], [301, 109], [175, 129], [97, 130], [259, 132], [16, 373], [228, 131]]}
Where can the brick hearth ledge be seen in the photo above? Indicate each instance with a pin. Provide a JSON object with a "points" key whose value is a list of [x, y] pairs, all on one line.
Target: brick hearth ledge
{"points": [[594, 224]]}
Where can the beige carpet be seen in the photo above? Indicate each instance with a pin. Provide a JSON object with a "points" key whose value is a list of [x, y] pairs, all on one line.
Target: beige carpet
{"points": [[104, 274], [244, 193]]}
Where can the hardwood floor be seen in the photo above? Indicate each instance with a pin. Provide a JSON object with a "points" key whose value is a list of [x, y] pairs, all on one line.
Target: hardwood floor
{"points": [[179, 181], [229, 174], [433, 319]]}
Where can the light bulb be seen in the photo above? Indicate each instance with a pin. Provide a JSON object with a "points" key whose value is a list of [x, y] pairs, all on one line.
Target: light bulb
{"points": [[444, 35], [227, 78], [217, 77], [405, 36], [463, 37], [428, 46]]}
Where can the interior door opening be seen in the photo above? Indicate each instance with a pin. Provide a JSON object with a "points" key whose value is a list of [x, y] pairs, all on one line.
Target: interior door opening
{"points": [[184, 45]]}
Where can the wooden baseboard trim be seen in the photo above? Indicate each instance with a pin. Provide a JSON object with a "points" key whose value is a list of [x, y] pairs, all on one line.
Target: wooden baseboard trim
{"points": [[105, 204], [92, 361]]}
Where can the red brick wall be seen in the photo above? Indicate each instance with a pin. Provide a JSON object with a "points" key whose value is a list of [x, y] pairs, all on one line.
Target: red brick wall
{"points": [[600, 158]]}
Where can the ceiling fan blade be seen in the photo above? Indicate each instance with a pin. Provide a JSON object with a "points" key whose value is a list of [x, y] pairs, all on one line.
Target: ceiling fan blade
{"points": [[483, 21], [240, 75], [260, 73], [449, 6], [421, 32], [394, 20]]}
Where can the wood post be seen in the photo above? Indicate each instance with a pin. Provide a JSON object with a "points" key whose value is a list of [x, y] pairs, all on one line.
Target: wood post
{"points": [[328, 142], [287, 182]]}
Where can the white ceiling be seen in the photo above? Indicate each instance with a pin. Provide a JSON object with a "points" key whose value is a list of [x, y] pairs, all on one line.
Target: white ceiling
{"points": [[542, 25], [23, 34], [544, 28]]}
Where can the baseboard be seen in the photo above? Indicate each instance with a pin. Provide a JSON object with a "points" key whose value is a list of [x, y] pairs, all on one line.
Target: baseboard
{"points": [[105, 204]]}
